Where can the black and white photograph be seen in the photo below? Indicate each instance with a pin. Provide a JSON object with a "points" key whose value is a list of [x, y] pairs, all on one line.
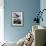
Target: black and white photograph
{"points": [[17, 18]]}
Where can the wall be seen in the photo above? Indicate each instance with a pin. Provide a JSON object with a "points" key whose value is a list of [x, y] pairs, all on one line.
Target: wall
{"points": [[29, 7]]}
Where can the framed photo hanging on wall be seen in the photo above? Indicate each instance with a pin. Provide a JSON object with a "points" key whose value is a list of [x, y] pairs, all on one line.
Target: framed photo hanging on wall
{"points": [[17, 18]]}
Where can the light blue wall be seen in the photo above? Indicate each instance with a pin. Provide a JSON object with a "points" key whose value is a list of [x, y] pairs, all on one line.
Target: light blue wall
{"points": [[29, 7]]}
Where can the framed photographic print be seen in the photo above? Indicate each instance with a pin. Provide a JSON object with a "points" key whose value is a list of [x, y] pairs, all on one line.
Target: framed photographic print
{"points": [[17, 18]]}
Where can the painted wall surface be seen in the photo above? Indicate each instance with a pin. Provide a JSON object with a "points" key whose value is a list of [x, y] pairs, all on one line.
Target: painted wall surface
{"points": [[29, 7]]}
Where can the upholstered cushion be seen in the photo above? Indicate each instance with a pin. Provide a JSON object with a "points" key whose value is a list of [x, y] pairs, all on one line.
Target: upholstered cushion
{"points": [[20, 42]]}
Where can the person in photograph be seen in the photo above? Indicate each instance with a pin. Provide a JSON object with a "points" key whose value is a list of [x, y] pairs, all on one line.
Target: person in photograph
{"points": [[17, 21], [15, 15]]}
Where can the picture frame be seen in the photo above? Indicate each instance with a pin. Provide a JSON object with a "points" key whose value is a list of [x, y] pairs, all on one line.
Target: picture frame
{"points": [[17, 18]]}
